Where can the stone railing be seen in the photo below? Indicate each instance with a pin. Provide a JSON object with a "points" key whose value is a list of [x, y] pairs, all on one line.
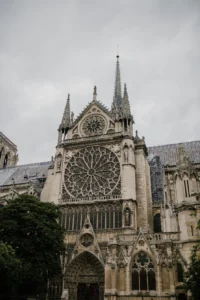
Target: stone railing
{"points": [[162, 236], [90, 199]]}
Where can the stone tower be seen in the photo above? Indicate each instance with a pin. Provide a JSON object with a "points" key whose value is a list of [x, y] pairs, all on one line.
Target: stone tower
{"points": [[101, 181], [8, 152]]}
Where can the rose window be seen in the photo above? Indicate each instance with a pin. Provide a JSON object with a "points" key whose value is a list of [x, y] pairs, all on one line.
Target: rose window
{"points": [[92, 172], [94, 124]]}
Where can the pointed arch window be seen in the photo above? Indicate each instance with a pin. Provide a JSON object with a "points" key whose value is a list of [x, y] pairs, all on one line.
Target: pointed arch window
{"points": [[84, 215], [143, 273], [75, 220], [118, 217], [157, 223], [186, 185], [93, 217]]}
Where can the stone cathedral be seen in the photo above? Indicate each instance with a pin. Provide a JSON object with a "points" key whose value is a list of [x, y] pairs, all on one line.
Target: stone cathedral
{"points": [[128, 210]]}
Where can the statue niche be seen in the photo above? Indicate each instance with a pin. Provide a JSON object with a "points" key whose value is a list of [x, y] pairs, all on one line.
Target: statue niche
{"points": [[126, 154], [59, 162], [127, 217]]}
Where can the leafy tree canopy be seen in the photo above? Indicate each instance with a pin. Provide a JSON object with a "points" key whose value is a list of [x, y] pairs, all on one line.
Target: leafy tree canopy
{"points": [[31, 228], [10, 268], [192, 276]]}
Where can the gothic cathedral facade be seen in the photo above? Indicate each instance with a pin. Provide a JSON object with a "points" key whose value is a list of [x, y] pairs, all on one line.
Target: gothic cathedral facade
{"points": [[119, 243]]}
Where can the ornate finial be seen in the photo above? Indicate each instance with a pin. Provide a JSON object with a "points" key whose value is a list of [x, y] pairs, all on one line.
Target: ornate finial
{"points": [[95, 93], [125, 89]]}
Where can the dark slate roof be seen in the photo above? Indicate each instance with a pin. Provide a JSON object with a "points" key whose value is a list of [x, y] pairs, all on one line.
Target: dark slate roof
{"points": [[24, 173], [169, 153]]}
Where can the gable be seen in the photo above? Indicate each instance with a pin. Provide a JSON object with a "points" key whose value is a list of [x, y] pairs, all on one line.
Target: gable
{"points": [[94, 120]]}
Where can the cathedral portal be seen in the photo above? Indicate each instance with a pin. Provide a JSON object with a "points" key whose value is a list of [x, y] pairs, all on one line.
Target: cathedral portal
{"points": [[85, 278]]}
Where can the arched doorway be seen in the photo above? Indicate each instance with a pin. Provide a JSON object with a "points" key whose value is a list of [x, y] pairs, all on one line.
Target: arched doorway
{"points": [[85, 278]]}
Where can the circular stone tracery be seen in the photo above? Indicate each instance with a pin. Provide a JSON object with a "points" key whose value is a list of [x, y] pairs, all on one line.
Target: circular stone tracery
{"points": [[94, 124], [93, 172]]}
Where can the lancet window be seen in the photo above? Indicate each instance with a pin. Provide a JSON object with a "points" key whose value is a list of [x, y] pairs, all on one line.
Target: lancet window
{"points": [[143, 273], [156, 171], [101, 217], [186, 188], [157, 223]]}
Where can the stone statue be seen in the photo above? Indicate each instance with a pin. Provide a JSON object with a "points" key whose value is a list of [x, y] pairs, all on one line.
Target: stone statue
{"points": [[59, 161], [127, 217], [126, 155]]}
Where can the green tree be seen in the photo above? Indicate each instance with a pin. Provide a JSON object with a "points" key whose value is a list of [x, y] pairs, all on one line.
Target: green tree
{"points": [[10, 268], [192, 276], [31, 228]]}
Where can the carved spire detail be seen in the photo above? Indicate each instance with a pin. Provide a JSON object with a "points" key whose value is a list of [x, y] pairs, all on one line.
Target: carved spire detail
{"points": [[126, 105], [66, 116]]}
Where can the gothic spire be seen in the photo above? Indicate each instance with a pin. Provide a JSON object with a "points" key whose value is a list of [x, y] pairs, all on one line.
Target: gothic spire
{"points": [[125, 104], [66, 116], [117, 99]]}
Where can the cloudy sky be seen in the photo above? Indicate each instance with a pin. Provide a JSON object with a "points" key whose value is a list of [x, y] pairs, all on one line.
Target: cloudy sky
{"points": [[51, 48]]}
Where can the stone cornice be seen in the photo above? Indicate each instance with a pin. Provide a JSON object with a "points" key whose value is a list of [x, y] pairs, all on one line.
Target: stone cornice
{"points": [[90, 140]]}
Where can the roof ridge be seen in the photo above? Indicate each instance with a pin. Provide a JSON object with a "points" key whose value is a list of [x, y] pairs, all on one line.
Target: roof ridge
{"points": [[32, 164], [174, 144]]}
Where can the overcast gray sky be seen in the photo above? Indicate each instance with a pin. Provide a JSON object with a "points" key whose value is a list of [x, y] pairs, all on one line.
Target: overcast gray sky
{"points": [[51, 48]]}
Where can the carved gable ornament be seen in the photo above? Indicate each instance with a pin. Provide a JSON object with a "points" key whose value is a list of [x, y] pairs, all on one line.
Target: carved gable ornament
{"points": [[86, 241], [121, 259], [142, 244], [95, 120]]}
